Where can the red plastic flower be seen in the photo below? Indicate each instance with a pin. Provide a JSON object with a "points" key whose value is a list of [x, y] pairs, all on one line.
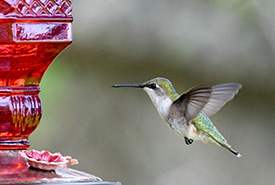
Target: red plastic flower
{"points": [[45, 160]]}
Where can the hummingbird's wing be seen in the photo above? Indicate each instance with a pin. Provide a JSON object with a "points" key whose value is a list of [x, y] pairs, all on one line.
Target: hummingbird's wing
{"points": [[220, 95], [192, 101]]}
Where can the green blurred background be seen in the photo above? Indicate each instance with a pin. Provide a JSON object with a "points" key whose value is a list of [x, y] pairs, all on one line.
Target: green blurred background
{"points": [[117, 133]]}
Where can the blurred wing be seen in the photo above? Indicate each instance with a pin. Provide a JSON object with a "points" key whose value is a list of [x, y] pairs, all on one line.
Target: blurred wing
{"points": [[192, 101], [220, 95]]}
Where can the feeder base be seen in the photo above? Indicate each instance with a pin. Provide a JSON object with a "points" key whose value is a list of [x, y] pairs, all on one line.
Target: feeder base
{"points": [[15, 170]]}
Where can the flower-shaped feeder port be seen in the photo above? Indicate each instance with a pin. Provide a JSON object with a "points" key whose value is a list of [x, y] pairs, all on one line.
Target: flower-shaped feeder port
{"points": [[45, 160]]}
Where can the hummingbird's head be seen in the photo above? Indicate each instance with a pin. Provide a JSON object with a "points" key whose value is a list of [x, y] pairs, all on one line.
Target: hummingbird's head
{"points": [[161, 93], [158, 89]]}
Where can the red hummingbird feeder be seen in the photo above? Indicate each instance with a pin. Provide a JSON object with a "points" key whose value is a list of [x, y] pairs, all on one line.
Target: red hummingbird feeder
{"points": [[32, 34]]}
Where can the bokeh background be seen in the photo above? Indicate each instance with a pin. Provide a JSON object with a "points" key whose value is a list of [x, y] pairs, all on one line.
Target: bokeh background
{"points": [[117, 134]]}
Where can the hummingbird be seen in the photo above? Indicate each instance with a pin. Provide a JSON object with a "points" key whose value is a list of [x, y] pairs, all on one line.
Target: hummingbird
{"points": [[188, 113]]}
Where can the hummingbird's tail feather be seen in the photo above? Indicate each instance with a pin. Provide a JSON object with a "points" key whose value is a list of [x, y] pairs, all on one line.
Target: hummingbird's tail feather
{"points": [[231, 149], [225, 145]]}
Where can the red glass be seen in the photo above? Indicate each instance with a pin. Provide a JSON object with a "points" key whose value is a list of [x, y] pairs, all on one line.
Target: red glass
{"points": [[32, 34]]}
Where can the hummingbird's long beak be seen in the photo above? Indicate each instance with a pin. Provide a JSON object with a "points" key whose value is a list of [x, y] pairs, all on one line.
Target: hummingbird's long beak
{"points": [[128, 85]]}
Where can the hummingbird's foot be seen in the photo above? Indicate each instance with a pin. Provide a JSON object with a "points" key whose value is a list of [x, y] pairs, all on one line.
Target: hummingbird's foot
{"points": [[188, 141]]}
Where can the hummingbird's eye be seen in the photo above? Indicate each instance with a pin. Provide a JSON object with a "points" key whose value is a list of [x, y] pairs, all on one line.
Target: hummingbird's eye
{"points": [[152, 86]]}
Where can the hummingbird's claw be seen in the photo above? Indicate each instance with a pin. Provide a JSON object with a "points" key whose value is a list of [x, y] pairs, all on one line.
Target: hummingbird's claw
{"points": [[188, 141]]}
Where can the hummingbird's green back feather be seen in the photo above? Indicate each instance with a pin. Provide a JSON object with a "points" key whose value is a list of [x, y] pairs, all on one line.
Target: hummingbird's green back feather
{"points": [[204, 124]]}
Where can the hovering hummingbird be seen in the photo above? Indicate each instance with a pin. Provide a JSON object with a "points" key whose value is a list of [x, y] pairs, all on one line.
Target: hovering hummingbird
{"points": [[188, 114]]}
